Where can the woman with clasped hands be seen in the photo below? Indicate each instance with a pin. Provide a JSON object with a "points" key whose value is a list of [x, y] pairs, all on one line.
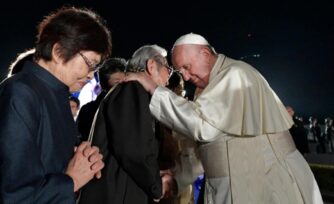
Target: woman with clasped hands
{"points": [[39, 162]]}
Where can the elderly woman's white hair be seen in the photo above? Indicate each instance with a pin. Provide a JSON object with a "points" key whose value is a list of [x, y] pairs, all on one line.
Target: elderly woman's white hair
{"points": [[139, 58]]}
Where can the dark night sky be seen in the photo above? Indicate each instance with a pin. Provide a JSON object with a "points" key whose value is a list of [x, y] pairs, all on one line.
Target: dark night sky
{"points": [[294, 40]]}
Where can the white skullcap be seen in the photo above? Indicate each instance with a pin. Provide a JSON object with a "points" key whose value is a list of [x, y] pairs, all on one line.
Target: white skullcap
{"points": [[191, 39]]}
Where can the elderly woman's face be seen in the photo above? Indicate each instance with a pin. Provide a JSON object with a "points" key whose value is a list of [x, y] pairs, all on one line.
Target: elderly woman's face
{"points": [[80, 69], [160, 73]]}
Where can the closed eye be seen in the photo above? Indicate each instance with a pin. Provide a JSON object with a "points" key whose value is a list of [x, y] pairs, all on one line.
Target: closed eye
{"points": [[186, 67]]}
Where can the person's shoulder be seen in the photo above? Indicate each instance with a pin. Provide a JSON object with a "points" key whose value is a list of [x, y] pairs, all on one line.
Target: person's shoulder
{"points": [[132, 86], [17, 84], [239, 68], [298, 122], [126, 89], [239, 65], [20, 91], [86, 107]]}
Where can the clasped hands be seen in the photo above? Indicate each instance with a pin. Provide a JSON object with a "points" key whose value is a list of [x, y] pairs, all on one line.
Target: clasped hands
{"points": [[84, 165]]}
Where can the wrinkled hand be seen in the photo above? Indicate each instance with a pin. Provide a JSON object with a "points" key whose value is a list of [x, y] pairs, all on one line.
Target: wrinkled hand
{"points": [[168, 184], [86, 162], [148, 84], [167, 171]]}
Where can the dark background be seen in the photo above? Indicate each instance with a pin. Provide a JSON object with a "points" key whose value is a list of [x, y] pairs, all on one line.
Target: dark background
{"points": [[294, 40]]}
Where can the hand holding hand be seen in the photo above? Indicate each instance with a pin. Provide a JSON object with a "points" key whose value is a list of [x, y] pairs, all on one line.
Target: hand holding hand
{"points": [[168, 184]]}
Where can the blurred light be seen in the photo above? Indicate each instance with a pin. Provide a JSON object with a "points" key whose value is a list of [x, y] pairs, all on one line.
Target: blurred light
{"points": [[250, 56]]}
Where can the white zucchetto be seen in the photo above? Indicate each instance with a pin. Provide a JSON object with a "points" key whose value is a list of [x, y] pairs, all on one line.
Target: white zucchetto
{"points": [[191, 39]]}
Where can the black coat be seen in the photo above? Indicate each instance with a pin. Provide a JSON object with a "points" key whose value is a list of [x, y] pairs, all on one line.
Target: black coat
{"points": [[86, 116], [37, 134], [124, 133], [299, 136]]}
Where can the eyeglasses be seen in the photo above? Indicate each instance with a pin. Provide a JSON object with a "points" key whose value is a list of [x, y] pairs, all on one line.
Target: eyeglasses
{"points": [[178, 72], [91, 66], [170, 69]]}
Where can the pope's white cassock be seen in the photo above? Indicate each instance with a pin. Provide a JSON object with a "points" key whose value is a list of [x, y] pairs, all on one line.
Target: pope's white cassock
{"points": [[246, 150]]}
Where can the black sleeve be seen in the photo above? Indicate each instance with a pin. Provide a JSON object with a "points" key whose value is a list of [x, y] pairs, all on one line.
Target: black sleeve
{"points": [[133, 142], [22, 175]]}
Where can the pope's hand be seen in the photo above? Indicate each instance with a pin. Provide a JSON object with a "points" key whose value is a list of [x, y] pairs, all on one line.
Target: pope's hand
{"points": [[148, 84]]}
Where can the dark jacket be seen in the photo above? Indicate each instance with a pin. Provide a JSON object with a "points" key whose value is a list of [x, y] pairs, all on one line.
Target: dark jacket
{"points": [[299, 135], [124, 133], [86, 116], [37, 134]]}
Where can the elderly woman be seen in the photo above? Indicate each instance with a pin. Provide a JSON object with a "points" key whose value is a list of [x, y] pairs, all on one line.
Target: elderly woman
{"points": [[39, 162], [124, 132]]}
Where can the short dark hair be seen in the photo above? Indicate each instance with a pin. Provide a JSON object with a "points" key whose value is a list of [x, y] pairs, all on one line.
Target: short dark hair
{"points": [[75, 99], [110, 66], [74, 29]]}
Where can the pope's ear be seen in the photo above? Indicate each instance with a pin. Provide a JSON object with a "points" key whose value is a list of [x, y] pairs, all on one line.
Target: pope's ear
{"points": [[56, 56], [205, 51], [150, 66]]}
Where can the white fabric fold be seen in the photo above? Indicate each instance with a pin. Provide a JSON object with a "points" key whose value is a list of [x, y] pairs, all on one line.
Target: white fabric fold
{"points": [[239, 101]]}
